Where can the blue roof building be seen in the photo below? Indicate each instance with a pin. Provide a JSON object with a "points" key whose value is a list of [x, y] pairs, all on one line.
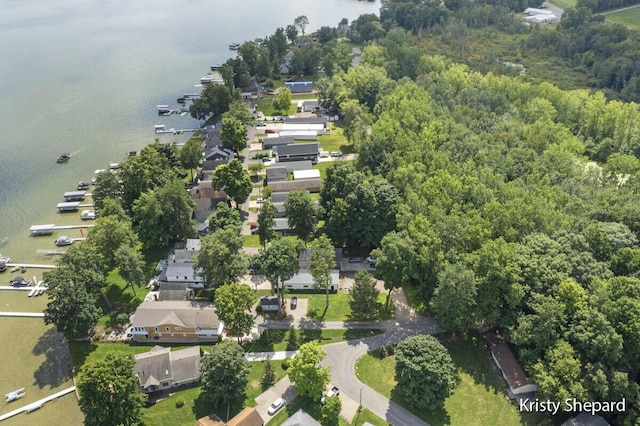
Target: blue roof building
{"points": [[299, 86]]}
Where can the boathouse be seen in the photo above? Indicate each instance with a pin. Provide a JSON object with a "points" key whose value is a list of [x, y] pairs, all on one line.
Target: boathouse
{"points": [[75, 195], [42, 229], [68, 207]]}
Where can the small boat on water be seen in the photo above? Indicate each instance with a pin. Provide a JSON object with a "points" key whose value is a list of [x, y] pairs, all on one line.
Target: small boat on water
{"points": [[234, 46], [16, 394], [20, 282], [63, 157], [64, 241]]}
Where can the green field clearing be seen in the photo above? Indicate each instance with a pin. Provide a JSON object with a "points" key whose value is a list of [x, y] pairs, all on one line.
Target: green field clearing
{"points": [[629, 17], [563, 4], [480, 386]]}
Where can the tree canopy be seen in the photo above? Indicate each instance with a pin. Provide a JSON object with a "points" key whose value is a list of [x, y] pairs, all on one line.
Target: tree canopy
{"points": [[305, 372], [233, 307], [234, 180], [225, 373], [110, 382]]}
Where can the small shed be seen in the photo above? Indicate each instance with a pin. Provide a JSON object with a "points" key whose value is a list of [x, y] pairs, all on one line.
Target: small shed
{"points": [[275, 174], [270, 303]]}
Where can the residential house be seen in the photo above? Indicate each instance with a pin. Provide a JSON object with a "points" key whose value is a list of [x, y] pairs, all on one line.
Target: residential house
{"points": [[306, 174], [253, 91], [519, 386], [176, 321], [276, 173], [304, 281], [279, 197], [298, 152], [272, 142], [281, 226], [206, 199], [301, 418], [217, 155], [311, 185], [161, 369], [247, 417], [270, 303], [295, 165], [305, 256], [286, 62]]}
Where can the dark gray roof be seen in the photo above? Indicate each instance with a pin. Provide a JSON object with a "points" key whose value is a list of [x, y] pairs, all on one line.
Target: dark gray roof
{"points": [[298, 149], [179, 269], [294, 165], [185, 255], [279, 197], [280, 140], [269, 301], [306, 254], [185, 364], [306, 120], [153, 367]]}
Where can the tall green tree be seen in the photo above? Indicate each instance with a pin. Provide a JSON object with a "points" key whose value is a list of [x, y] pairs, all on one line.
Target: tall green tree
{"points": [[282, 101], [425, 372], [239, 111], [71, 308], [302, 215], [234, 180], [214, 101], [363, 297], [191, 155], [108, 235], [130, 265], [454, 299], [394, 261], [107, 185], [233, 134], [279, 263], [225, 373], [266, 222], [163, 216], [110, 382], [224, 216], [220, 257], [301, 22], [305, 372], [331, 411], [321, 263], [233, 307]]}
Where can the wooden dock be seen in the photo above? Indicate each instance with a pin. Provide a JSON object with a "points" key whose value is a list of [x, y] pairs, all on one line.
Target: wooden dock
{"points": [[38, 404], [58, 227]]}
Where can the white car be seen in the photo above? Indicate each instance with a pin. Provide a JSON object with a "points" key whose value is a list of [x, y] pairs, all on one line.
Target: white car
{"points": [[275, 406], [336, 154], [261, 200]]}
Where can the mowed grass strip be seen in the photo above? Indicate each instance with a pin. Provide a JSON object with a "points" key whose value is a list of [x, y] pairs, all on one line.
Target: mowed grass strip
{"points": [[629, 17], [480, 386]]}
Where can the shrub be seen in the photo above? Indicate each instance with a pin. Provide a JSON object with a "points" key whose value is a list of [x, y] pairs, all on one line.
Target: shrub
{"points": [[179, 404], [285, 364]]}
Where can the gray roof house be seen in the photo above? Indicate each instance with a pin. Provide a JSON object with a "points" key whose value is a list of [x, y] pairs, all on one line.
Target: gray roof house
{"points": [[301, 418], [270, 303], [276, 173], [161, 369], [279, 197], [304, 281], [298, 152], [305, 255], [311, 185], [294, 165], [268, 143], [217, 155]]}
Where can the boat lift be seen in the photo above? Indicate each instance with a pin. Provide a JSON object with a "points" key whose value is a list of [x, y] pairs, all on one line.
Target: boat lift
{"points": [[16, 394]]}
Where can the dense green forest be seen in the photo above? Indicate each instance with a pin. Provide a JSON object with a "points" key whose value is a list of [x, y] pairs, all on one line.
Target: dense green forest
{"points": [[500, 204]]}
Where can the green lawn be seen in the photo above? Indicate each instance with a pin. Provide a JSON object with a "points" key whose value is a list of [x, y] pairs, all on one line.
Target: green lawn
{"points": [[121, 296], [251, 241], [265, 106], [336, 141], [629, 17], [324, 165], [564, 4], [170, 411], [339, 309], [480, 386]]}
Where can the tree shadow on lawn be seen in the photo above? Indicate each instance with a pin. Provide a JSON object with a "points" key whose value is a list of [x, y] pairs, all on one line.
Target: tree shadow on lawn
{"points": [[56, 368], [435, 416], [471, 355], [203, 406]]}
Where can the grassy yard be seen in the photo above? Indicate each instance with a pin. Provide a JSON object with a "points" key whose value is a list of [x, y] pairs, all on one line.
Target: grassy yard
{"points": [[336, 141], [324, 165], [480, 386], [121, 296], [265, 106], [629, 17], [313, 409], [187, 405], [339, 309], [251, 241], [564, 4]]}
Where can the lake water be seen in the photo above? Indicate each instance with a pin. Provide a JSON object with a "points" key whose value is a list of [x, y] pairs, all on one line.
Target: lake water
{"points": [[85, 77]]}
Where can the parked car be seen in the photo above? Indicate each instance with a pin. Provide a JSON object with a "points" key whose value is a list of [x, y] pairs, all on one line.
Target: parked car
{"points": [[266, 161], [371, 259], [275, 406], [261, 124], [334, 391], [261, 200], [294, 302], [336, 154], [356, 260]]}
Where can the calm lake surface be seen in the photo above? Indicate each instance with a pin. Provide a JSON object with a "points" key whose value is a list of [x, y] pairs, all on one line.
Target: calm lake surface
{"points": [[85, 77]]}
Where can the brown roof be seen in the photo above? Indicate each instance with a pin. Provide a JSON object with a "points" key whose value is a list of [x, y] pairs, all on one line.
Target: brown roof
{"points": [[511, 370], [247, 417]]}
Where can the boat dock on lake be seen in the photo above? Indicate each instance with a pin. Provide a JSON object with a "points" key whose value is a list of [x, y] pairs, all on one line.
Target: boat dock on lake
{"points": [[39, 403]]}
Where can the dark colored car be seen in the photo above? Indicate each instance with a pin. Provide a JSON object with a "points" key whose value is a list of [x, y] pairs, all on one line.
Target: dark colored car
{"points": [[294, 302]]}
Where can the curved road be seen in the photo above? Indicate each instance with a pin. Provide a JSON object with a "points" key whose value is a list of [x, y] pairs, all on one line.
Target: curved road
{"points": [[342, 357]]}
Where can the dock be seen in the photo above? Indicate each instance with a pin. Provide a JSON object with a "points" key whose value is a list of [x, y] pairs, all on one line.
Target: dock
{"points": [[176, 131], [22, 314], [31, 265], [73, 227], [38, 404]]}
